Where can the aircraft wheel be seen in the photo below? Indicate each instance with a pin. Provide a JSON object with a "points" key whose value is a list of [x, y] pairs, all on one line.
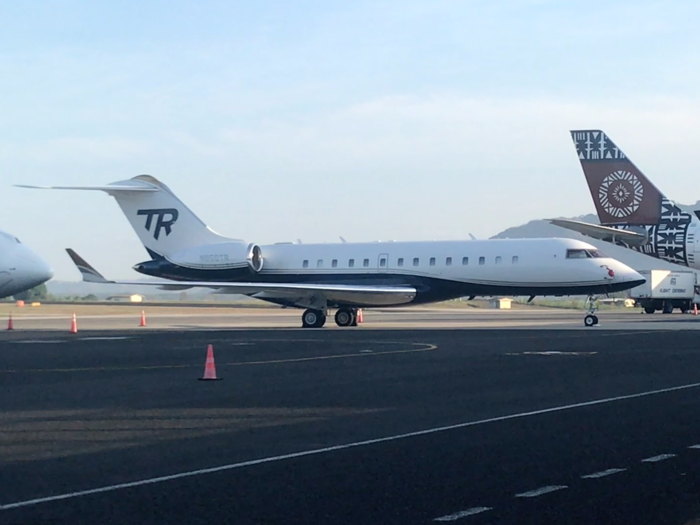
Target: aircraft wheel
{"points": [[590, 320], [344, 317], [649, 310], [313, 318]]}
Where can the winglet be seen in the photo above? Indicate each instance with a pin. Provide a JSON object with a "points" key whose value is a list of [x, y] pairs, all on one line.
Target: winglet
{"points": [[90, 275]]}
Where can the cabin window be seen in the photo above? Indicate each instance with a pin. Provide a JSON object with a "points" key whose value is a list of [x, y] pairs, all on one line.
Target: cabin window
{"points": [[305, 264], [432, 261], [416, 261], [482, 261], [465, 261], [515, 259], [499, 259], [334, 263], [319, 263], [365, 263], [400, 261], [448, 261], [382, 262], [351, 263]]}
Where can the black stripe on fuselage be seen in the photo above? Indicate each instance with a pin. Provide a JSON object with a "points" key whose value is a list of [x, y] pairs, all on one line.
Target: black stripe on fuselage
{"points": [[428, 289]]}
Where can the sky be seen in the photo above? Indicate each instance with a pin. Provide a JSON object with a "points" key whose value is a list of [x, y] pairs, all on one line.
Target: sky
{"points": [[276, 121]]}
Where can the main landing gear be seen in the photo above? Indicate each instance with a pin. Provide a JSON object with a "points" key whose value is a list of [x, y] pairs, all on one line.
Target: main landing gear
{"points": [[591, 318], [313, 318], [346, 317]]}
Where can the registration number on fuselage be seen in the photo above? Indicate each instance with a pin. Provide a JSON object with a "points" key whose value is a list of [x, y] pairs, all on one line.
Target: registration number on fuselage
{"points": [[214, 258]]}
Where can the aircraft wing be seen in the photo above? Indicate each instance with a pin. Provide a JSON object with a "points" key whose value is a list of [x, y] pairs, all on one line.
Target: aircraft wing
{"points": [[604, 233], [301, 294]]}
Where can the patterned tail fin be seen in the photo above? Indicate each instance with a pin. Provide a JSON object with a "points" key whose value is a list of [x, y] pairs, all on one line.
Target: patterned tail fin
{"points": [[620, 191]]}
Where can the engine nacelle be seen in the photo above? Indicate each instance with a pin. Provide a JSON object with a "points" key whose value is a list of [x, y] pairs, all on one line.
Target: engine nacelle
{"points": [[220, 256], [255, 257]]}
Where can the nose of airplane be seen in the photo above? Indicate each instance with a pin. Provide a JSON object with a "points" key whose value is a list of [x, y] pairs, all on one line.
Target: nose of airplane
{"points": [[621, 274], [32, 270]]}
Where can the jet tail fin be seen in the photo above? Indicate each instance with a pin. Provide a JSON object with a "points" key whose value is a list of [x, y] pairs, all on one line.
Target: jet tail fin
{"points": [[162, 221], [620, 191]]}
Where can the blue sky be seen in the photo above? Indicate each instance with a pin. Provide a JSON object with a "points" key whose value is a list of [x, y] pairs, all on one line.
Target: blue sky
{"points": [[373, 120]]}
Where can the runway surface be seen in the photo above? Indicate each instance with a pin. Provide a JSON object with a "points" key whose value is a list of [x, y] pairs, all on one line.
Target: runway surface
{"points": [[351, 426], [51, 318]]}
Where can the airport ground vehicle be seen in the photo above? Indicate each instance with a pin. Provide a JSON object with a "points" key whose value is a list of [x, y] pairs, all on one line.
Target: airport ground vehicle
{"points": [[665, 290]]}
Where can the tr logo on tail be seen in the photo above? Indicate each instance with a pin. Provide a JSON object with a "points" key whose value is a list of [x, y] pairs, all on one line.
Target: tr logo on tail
{"points": [[162, 222]]}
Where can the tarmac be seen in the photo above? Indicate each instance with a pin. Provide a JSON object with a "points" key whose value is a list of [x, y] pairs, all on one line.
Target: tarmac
{"points": [[58, 318], [422, 416]]}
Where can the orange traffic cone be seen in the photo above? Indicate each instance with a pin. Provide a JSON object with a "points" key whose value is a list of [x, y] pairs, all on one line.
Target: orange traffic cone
{"points": [[10, 323], [209, 366], [695, 310], [359, 315], [143, 318], [74, 325]]}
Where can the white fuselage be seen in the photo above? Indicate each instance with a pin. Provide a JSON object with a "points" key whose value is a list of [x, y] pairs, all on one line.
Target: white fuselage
{"points": [[438, 270], [20, 268], [517, 262]]}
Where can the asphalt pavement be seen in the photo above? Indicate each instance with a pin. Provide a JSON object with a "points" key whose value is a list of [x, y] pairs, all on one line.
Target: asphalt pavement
{"points": [[351, 426]]}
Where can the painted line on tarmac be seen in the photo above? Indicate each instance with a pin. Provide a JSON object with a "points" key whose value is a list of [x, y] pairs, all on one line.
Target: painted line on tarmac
{"points": [[463, 514], [336, 448], [603, 473], [362, 353], [660, 457], [106, 338], [540, 491], [38, 342]]}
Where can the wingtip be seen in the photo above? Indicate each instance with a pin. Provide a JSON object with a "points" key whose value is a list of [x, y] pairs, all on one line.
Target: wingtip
{"points": [[88, 273]]}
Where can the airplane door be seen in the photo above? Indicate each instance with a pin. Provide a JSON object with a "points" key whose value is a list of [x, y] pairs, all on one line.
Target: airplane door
{"points": [[383, 262]]}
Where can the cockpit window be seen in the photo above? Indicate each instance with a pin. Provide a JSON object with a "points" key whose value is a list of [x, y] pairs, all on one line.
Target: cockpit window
{"points": [[583, 254]]}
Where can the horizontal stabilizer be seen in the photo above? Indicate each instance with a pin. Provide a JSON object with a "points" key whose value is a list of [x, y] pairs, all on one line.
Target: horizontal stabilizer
{"points": [[109, 188], [162, 221], [604, 233]]}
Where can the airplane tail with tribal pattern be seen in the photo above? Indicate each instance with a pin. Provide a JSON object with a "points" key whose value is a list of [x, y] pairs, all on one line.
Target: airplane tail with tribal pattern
{"points": [[631, 210], [620, 191]]}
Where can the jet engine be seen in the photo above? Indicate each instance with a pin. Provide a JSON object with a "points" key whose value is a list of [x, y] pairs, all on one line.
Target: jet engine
{"points": [[220, 256], [255, 257]]}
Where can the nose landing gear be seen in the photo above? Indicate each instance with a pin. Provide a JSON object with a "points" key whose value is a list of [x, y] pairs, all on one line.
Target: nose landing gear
{"points": [[591, 318]]}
